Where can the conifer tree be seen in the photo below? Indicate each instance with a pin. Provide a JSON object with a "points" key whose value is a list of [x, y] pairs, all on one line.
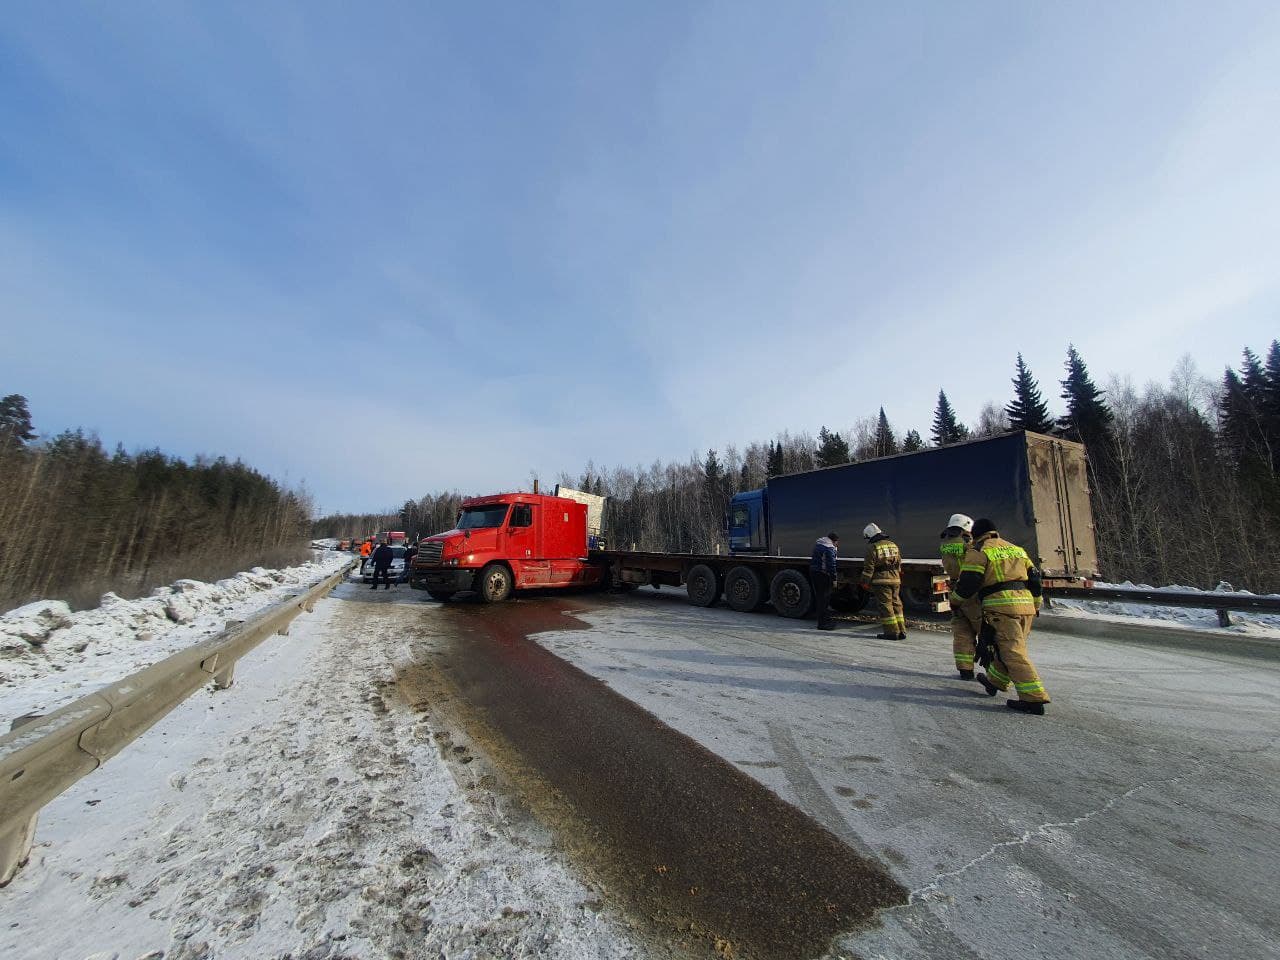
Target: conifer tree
{"points": [[1028, 411], [1254, 379], [15, 421], [1233, 416], [713, 472], [833, 449], [912, 442], [1088, 419], [775, 465], [946, 429], [885, 442], [1272, 398]]}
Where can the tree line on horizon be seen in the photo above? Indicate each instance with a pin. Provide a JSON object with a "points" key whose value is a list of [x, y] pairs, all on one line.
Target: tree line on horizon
{"points": [[1185, 476], [77, 521]]}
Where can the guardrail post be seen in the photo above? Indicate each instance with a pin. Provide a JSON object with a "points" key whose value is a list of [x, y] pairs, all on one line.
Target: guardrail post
{"points": [[225, 677], [1224, 618], [15, 845]]}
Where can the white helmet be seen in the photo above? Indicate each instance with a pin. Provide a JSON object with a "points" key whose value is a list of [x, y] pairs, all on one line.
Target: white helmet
{"points": [[961, 521], [870, 530]]}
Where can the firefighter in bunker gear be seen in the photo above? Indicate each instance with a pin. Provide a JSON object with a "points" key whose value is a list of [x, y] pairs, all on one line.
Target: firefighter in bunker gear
{"points": [[882, 578], [966, 617], [1003, 578]]}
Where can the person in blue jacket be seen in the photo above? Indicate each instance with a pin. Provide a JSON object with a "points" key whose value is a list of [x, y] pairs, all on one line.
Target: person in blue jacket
{"points": [[822, 573]]}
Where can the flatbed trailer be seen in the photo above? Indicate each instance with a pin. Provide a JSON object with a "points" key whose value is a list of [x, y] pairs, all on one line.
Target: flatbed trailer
{"points": [[749, 582]]}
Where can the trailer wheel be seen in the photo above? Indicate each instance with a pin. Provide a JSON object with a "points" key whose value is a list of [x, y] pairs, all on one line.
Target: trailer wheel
{"points": [[703, 586], [495, 583], [743, 589], [791, 594], [444, 596], [915, 597]]}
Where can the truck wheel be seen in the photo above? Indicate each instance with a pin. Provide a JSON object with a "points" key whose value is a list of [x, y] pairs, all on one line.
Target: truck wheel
{"points": [[842, 601], [495, 583], [444, 596], [915, 597], [791, 594], [743, 589], [703, 586]]}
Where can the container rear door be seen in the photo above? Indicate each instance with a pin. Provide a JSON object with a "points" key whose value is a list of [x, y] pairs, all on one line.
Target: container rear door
{"points": [[1059, 476]]}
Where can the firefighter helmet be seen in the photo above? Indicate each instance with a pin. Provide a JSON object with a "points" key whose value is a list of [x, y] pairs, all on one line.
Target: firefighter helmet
{"points": [[961, 521], [870, 530]]}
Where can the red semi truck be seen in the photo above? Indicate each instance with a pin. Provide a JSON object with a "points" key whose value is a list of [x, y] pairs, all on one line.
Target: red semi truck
{"points": [[506, 542]]}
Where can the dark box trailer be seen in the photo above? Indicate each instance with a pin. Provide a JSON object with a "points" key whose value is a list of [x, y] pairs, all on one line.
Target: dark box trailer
{"points": [[1034, 487]]}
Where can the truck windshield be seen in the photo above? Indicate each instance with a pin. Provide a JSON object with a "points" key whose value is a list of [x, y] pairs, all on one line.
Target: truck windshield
{"points": [[473, 518]]}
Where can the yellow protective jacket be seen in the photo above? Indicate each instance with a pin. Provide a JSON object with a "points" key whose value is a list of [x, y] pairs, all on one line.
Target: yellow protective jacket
{"points": [[1001, 575], [883, 562], [953, 551]]}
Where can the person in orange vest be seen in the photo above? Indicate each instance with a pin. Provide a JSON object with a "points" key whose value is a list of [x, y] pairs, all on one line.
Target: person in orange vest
{"points": [[366, 548]]}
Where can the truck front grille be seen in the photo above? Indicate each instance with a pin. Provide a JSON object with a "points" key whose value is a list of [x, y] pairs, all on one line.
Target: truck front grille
{"points": [[430, 552]]}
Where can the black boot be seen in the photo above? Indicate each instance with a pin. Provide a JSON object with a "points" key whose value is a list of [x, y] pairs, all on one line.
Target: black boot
{"points": [[1026, 706], [988, 686], [966, 674], [902, 634]]}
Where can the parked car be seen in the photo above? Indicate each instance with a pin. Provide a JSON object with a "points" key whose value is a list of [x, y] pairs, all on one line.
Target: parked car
{"points": [[398, 572]]}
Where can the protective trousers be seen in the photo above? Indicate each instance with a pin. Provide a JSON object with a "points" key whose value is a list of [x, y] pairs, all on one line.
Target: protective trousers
{"points": [[1012, 663], [965, 624], [891, 618], [822, 596]]}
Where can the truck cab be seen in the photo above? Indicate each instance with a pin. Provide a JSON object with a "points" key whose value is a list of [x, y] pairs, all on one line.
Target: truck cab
{"points": [[746, 523], [507, 542]]}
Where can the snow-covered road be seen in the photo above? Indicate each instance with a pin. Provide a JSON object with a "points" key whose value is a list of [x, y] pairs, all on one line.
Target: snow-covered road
{"points": [[1138, 819], [304, 812]]}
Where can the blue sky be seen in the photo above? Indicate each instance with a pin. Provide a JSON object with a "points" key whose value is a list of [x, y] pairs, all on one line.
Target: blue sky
{"points": [[393, 248]]}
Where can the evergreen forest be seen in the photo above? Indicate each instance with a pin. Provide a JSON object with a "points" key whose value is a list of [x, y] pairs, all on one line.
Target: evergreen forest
{"points": [[77, 521]]}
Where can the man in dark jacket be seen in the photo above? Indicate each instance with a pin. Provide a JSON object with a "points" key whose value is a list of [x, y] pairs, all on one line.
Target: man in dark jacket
{"points": [[381, 559], [822, 572]]}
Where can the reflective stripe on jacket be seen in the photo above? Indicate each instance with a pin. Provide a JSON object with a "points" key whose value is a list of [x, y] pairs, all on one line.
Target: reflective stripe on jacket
{"points": [[953, 551], [882, 562], [988, 564]]}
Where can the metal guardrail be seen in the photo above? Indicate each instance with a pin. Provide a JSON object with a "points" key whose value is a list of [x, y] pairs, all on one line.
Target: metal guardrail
{"points": [[1222, 603], [44, 756]]}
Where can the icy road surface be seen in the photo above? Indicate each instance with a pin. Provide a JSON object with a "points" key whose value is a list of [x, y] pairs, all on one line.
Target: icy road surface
{"points": [[1138, 819], [321, 809]]}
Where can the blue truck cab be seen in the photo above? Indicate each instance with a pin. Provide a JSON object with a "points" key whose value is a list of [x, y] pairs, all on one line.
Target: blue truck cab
{"points": [[747, 524]]}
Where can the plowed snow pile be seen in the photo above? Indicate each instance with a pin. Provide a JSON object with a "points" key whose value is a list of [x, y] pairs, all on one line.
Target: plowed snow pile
{"points": [[50, 655], [1119, 611]]}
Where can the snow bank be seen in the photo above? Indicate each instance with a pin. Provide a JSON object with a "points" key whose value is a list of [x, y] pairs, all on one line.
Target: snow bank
{"points": [[1253, 624], [305, 813], [49, 655]]}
